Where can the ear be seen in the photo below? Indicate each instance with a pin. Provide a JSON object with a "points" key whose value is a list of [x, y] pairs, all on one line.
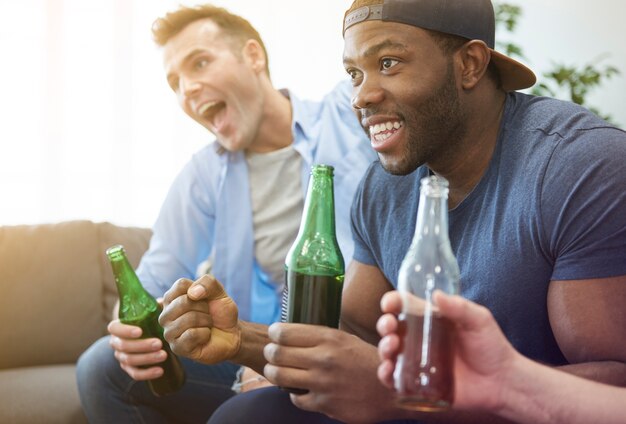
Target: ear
{"points": [[474, 58], [254, 55]]}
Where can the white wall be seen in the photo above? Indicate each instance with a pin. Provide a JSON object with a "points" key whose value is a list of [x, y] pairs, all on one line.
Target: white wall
{"points": [[89, 129], [576, 33]]}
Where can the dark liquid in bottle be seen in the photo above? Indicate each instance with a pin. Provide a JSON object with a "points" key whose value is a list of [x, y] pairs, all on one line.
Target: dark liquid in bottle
{"points": [[424, 378], [173, 376], [311, 299]]}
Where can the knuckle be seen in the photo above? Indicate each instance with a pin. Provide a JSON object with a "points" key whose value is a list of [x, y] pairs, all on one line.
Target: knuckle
{"points": [[194, 336], [122, 358], [270, 352], [163, 319], [205, 281], [327, 358], [167, 332], [270, 372], [277, 332], [185, 343], [181, 285]]}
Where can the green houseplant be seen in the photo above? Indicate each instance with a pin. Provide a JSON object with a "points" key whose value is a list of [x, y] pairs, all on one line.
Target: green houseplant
{"points": [[568, 82]]}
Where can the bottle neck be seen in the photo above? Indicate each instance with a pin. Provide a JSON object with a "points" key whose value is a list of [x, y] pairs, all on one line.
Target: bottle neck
{"points": [[125, 278], [318, 216], [432, 217], [135, 301]]}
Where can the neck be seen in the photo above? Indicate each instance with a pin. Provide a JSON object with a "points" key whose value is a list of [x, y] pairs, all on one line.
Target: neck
{"points": [[467, 165], [275, 127]]}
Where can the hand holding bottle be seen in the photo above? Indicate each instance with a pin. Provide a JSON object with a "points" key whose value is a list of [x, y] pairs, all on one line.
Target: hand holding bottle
{"points": [[140, 358], [201, 320], [482, 358], [139, 312], [337, 370]]}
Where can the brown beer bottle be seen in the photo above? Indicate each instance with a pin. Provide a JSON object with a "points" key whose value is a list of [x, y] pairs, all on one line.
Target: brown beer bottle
{"points": [[423, 377], [139, 308]]}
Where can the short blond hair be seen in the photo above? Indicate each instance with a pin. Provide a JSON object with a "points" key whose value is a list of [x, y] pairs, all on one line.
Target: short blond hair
{"points": [[233, 26]]}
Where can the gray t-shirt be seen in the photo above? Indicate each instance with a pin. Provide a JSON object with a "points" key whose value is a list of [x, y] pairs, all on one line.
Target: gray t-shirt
{"points": [[277, 202], [550, 206]]}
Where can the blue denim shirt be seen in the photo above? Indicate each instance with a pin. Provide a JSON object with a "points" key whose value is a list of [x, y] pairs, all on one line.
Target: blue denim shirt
{"points": [[207, 211]]}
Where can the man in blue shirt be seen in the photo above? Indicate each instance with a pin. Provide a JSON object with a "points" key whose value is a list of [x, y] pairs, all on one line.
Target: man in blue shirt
{"points": [[234, 209]]}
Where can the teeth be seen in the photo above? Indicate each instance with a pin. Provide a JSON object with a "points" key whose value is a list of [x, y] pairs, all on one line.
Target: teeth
{"points": [[384, 126], [206, 107]]}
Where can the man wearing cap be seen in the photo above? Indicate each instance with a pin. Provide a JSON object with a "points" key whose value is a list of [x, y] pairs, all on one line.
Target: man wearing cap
{"points": [[536, 217]]}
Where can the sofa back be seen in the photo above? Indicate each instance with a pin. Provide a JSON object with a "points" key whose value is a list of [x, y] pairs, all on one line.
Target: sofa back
{"points": [[56, 288]]}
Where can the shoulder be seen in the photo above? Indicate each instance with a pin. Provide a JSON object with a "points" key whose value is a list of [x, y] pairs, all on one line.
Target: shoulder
{"points": [[340, 96], [212, 153], [561, 134], [335, 104], [554, 117], [208, 160], [331, 130], [203, 171]]}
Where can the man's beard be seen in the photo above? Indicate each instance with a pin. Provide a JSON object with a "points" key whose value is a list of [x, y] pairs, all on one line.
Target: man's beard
{"points": [[433, 128]]}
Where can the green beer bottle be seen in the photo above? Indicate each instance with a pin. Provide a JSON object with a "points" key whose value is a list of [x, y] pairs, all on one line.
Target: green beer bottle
{"points": [[314, 267], [139, 308]]}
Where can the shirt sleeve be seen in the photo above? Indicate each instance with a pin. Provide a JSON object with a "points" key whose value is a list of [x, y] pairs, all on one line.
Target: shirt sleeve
{"points": [[583, 205], [184, 230], [358, 221]]}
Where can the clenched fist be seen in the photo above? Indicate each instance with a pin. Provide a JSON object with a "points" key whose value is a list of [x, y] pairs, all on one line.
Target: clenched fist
{"points": [[200, 320]]}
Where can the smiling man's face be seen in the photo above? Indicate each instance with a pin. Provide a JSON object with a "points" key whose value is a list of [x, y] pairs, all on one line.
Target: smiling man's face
{"points": [[405, 92]]}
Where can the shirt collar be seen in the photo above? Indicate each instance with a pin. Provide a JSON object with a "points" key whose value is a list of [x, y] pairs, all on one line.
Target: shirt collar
{"points": [[301, 128]]}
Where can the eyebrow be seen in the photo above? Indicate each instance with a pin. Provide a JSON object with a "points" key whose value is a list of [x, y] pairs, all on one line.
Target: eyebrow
{"points": [[387, 44], [377, 48], [188, 56]]}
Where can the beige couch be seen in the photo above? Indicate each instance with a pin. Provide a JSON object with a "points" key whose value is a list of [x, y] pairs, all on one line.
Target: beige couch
{"points": [[56, 296]]}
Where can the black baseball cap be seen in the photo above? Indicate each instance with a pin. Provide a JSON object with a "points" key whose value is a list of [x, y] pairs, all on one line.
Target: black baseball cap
{"points": [[471, 19]]}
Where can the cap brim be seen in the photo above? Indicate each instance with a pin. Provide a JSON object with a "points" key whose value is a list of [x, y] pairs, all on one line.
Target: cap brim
{"points": [[513, 75]]}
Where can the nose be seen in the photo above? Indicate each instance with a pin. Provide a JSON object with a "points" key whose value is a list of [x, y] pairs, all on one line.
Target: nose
{"points": [[188, 86], [366, 94]]}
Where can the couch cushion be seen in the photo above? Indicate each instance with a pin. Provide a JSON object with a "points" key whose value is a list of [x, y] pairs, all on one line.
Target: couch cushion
{"points": [[53, 282], [40, 395], [52, 295]]}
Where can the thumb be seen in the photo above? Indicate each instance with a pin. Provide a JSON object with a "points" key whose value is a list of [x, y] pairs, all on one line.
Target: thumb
{"points": [[206, 287], [465, 313]]}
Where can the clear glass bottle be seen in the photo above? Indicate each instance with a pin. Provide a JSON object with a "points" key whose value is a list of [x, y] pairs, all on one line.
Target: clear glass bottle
{"points": [[140, 308], [424, 378]]}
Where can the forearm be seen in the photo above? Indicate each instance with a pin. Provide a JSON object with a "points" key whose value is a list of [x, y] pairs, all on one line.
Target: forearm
{"points": [[608, 372], [539, 394], [253, 340], [455, 417]]}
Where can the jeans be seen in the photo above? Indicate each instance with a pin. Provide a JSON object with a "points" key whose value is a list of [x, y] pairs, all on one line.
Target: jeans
{"points": [[109, 395], [271, 406], [266, 406]]}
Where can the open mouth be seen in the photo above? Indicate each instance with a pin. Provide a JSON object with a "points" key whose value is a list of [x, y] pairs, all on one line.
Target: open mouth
{"points": [[209, 110]]}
